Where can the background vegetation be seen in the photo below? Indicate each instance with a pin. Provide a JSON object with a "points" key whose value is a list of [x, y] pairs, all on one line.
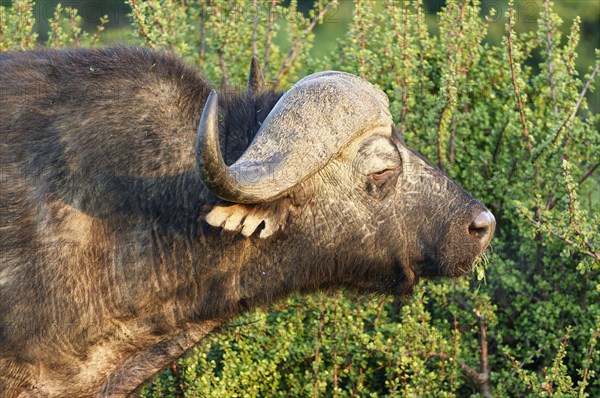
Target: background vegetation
{"points": [[497, 94]]}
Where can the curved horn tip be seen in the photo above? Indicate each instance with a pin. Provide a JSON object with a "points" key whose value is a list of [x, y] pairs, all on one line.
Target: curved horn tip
{"points": [[210, 112], [207, 138], [256, 81]]}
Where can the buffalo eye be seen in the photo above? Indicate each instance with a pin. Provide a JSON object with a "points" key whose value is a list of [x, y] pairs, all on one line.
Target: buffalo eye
{"points": [[383, 175], [381, 182], [379, 164]]}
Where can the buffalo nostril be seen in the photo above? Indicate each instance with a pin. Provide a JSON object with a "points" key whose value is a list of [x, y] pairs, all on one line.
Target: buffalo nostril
{"points": [[483, 226]]}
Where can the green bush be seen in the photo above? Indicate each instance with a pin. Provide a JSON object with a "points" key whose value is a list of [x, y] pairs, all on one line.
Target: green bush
{"points": [[514, 131]]}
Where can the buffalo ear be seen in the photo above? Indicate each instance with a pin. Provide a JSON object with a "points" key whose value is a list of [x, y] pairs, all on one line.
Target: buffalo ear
{"points": [[256, 82], [249, 218]]}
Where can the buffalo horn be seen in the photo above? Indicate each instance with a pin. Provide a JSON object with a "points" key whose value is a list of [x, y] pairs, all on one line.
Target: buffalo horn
{"points": [[256, 82], [311, 123]]}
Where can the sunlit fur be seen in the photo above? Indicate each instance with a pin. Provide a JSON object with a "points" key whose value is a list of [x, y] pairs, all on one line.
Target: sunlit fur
{"points": [[108, 271]]}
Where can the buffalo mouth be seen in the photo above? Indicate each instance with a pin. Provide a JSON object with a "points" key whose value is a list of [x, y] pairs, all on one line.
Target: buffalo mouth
{"points": [[449, 268]]}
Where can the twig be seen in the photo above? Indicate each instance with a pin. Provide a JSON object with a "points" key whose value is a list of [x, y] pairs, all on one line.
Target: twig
{"points": [[586, 242], [452, 144], [518, 366], [589, 359], [549, 55], [361, 38], [221, 53], [73, 25], [389, 6], [179, 391], [318, 346], [157, 20], [270, 27], [442, 123], [454, 350], [335, 333], [99, 29], [404, 59], [484, 375], [575, 110], [498, 141], [202, 43], [588, 173], [293, 52], [514, 80], [26, 10], [254, 27], [518, 369], [3, 45], [55, 26], [571, 46], [141, 24], [536, 171], [564, 239], [472, 373]]}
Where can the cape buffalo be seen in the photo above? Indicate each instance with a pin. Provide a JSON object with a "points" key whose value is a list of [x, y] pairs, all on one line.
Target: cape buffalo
{"points": [[139, 210]]}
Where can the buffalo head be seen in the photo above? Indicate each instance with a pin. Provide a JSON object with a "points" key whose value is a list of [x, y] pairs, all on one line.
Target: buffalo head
{"points": [[328, 173]]}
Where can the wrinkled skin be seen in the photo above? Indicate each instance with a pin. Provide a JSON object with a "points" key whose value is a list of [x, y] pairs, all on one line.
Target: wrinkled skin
{"points": [[108, 268]]}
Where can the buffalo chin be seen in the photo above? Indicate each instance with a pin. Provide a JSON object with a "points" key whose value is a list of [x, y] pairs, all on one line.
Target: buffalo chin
{"points": [[447, 267], [402, 285]]}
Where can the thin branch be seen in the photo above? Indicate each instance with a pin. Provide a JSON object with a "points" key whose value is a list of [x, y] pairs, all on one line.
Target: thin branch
{"points": [[452, 144], [536, 171], [549, 55], [586, 242], [514, 81], [221, 51], [390, 9], [361, 38], [571, 46], [293, 52], [335, 334], [73, 25], [571, 196], [441, 122], [588, 173], [157, 21], [270, 27], [3, 45], [518, 366], [99, 30], [572, 114], [589, 360], [318, 345], [29, 25], [202, 43], [404, 60], [419, 5], [568, 241], [498, 141], [484, 375], [576, 109], [454, 350], [141, 24], [518, 369], [179, 389], [254, 27], [55, 27], [552, 201], [472, 373]]}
